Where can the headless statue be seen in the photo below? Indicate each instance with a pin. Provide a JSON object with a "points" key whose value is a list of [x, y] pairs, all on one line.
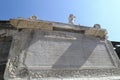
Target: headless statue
{"points": [[71, 19], [97, 26], [33, 18]]}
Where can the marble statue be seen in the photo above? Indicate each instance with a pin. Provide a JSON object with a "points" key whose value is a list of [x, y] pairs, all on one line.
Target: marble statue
{"points": [[71, 19], [97, 26], [33, 17]]}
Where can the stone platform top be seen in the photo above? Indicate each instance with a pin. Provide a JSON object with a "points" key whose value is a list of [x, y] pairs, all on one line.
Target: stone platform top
{"points": [[48, 25]]}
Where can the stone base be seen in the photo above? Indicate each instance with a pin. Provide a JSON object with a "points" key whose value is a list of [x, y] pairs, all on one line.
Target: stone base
{"points": [[46, 55]]}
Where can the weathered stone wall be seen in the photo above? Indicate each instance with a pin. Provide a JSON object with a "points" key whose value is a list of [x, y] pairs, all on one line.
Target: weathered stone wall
{"points": [[5, 43], [38, 54]]}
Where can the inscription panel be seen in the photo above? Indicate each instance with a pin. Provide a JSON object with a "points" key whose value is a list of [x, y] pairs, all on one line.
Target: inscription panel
{"points": [[66, 50]]}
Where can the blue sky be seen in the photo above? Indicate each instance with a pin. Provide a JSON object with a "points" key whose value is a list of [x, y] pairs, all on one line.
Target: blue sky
{"points": [[87, 12]]}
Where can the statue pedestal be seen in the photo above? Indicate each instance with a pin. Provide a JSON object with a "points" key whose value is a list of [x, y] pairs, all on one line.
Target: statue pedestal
{"points": [[49, 55]]}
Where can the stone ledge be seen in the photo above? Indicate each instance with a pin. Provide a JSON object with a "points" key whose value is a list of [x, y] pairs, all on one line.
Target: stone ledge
{"points": [[46, 25]]}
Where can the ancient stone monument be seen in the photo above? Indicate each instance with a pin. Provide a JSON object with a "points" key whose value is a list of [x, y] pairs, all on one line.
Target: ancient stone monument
{"points": [[44, 50]]}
